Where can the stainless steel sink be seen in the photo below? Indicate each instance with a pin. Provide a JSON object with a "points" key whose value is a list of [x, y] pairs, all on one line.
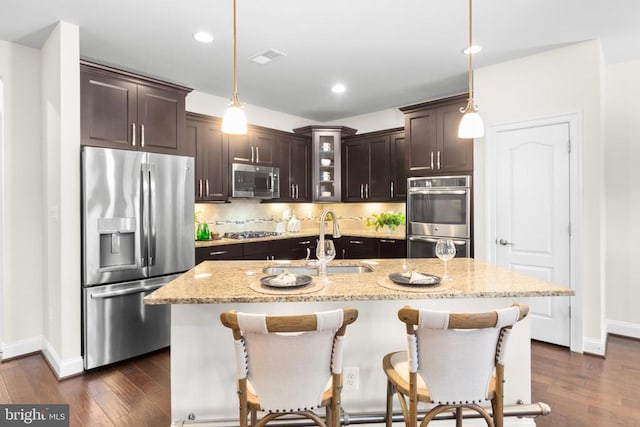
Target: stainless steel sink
{"points": [[311, 271]]}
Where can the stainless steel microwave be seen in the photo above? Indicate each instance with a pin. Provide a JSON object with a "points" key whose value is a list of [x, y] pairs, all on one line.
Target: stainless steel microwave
{"points": [[255, 182]]}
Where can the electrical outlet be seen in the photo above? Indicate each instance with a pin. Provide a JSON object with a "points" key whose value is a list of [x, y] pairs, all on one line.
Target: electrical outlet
{"points": [[351, 378]]}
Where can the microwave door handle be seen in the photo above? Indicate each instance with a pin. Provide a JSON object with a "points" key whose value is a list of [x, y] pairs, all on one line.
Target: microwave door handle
{"points": [[270, 182]]}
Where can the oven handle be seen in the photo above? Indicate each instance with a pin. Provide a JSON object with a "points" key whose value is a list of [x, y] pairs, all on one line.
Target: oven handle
{"points": [[412, 191], [435, 240]]}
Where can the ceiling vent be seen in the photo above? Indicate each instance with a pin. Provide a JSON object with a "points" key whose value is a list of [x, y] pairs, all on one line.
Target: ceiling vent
{"points": [[267, 56]]}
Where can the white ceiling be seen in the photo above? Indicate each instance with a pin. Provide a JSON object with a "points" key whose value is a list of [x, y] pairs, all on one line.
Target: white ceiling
{"points": [[388, 53]]}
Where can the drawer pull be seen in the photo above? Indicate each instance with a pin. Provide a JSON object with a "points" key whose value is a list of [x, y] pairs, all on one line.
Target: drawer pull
{"points": [[306, 242], [387, 241], [356, 242], [218, 252]]}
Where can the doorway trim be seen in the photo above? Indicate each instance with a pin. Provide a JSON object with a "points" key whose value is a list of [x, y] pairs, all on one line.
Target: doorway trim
{"points": [[574, 120]]}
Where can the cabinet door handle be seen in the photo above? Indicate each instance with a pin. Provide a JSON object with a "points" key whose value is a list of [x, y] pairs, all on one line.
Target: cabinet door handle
{"points": [[356, 242], [200, 188], [257, 154], [207, 187], [432, 160], [252, 154], [438, 160], [142, 135], [297, 192], [362, 191], [392, 189], [317, 191], [291, 191], [133, 134], [366, 191], [218, 252]]}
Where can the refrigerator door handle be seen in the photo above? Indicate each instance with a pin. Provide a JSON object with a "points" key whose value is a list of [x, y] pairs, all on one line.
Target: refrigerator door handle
{"points": [[143, 217], [136, 290], [152, 215]]}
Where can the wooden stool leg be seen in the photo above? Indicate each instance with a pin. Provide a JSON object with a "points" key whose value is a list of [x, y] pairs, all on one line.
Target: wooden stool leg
{"points": [[389, 412], [458, 416]]}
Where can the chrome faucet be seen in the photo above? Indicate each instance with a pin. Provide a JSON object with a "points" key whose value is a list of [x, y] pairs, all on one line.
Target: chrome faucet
{"points": [[322, 265]]}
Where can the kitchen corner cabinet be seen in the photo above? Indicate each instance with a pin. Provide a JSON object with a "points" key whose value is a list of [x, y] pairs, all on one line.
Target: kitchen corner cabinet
{"points": [[326, 161], [294, 160], [256, 147], [374, 167], [209, 145], [433, 146], [126, 111]]}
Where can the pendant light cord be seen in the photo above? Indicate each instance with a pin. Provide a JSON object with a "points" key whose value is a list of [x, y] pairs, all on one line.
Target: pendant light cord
{"points": [[235, 60], [470, 53]]}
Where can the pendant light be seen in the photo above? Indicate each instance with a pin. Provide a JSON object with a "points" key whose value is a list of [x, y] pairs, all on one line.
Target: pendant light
{"points": [[234, 120], [471, 125]]}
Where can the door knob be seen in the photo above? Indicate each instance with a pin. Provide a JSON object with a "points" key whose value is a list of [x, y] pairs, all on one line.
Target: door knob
{"points": [[504, 242]]}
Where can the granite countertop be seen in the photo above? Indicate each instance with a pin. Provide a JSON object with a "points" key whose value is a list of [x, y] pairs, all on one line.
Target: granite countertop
{"points": [[304, 233], [238, 282]]}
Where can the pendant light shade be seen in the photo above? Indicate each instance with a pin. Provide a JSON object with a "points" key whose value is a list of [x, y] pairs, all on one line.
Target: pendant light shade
{"points": [[234, 120], [471, 124]]}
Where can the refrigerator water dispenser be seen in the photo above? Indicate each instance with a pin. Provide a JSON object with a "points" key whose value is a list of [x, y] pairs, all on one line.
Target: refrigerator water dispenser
{"points": [[117, 243]]}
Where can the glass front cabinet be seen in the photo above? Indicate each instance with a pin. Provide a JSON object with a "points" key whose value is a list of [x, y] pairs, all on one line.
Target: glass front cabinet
{"points": [[326, 160]]}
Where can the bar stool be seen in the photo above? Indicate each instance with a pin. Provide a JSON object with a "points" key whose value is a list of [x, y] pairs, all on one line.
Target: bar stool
{"points": [[454, 360], [289, 364]]}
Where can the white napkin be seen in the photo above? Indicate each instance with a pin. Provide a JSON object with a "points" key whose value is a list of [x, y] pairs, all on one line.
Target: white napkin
{"points": [[283, 279], [417, 278]]}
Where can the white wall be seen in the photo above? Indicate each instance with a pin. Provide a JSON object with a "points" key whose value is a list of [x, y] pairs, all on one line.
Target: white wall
{"points": [[622, 197], [22, 275], [61, 199], [211, 105], [561, 81]]}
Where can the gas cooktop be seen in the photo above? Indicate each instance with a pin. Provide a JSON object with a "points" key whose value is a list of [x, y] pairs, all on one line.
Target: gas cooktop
{"points": [[250, 234]]}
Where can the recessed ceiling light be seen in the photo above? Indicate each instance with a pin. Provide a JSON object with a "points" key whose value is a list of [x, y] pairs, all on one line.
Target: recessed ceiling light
{"points": [[338, 88], [473, 49], [203, 37]]}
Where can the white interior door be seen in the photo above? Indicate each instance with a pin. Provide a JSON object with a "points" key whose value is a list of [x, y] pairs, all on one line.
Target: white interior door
{"points": [[533, 218]]}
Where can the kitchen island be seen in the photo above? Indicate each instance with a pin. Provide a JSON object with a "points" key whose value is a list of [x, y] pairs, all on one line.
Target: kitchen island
{"points": [[203, 385]]}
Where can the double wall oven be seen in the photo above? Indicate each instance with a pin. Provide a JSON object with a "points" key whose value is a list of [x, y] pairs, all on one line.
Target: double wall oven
{"points": [[437, 208]]}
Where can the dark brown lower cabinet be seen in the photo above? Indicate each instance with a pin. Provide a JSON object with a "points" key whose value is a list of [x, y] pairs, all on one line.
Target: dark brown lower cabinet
{"points": [[267, 250], [392, 248], [221, 252], [302, 246]]}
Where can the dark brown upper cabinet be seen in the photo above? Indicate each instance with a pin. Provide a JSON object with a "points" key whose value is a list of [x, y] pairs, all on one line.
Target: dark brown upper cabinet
{"points": [[294, 161], [131, 112], [210, 147], [398, 172], [431, 131], [256, 147], [373, 172]]}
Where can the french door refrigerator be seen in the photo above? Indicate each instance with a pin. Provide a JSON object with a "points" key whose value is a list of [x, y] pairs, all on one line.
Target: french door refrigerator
{"points": [[137, 235]]}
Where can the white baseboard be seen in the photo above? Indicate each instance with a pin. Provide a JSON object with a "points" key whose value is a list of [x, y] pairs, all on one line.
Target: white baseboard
{"points": [[21, 347], [594, 346], [61, 367], [626, 329]]}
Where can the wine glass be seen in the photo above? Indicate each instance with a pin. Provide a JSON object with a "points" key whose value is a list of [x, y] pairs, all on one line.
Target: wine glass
{"points": [[325, 253], [445, 250]]}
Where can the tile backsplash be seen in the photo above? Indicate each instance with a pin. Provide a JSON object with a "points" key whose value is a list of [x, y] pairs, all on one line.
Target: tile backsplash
{"points": [[250, 214]]}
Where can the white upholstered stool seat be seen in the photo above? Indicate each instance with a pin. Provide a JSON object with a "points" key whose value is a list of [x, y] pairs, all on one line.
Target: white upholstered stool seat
{"points": [[289, 365], [454, 361]]}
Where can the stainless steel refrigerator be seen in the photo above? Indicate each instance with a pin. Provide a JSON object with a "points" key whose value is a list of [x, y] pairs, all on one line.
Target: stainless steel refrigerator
{"points": [[137, 235]]}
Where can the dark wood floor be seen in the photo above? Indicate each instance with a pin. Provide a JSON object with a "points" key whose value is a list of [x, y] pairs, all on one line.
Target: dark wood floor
{"points": [[583, 390]]}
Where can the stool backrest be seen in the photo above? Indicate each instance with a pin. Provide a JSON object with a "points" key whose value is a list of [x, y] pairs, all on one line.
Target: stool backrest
{"points": [[289, 360], [456, 353]]}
